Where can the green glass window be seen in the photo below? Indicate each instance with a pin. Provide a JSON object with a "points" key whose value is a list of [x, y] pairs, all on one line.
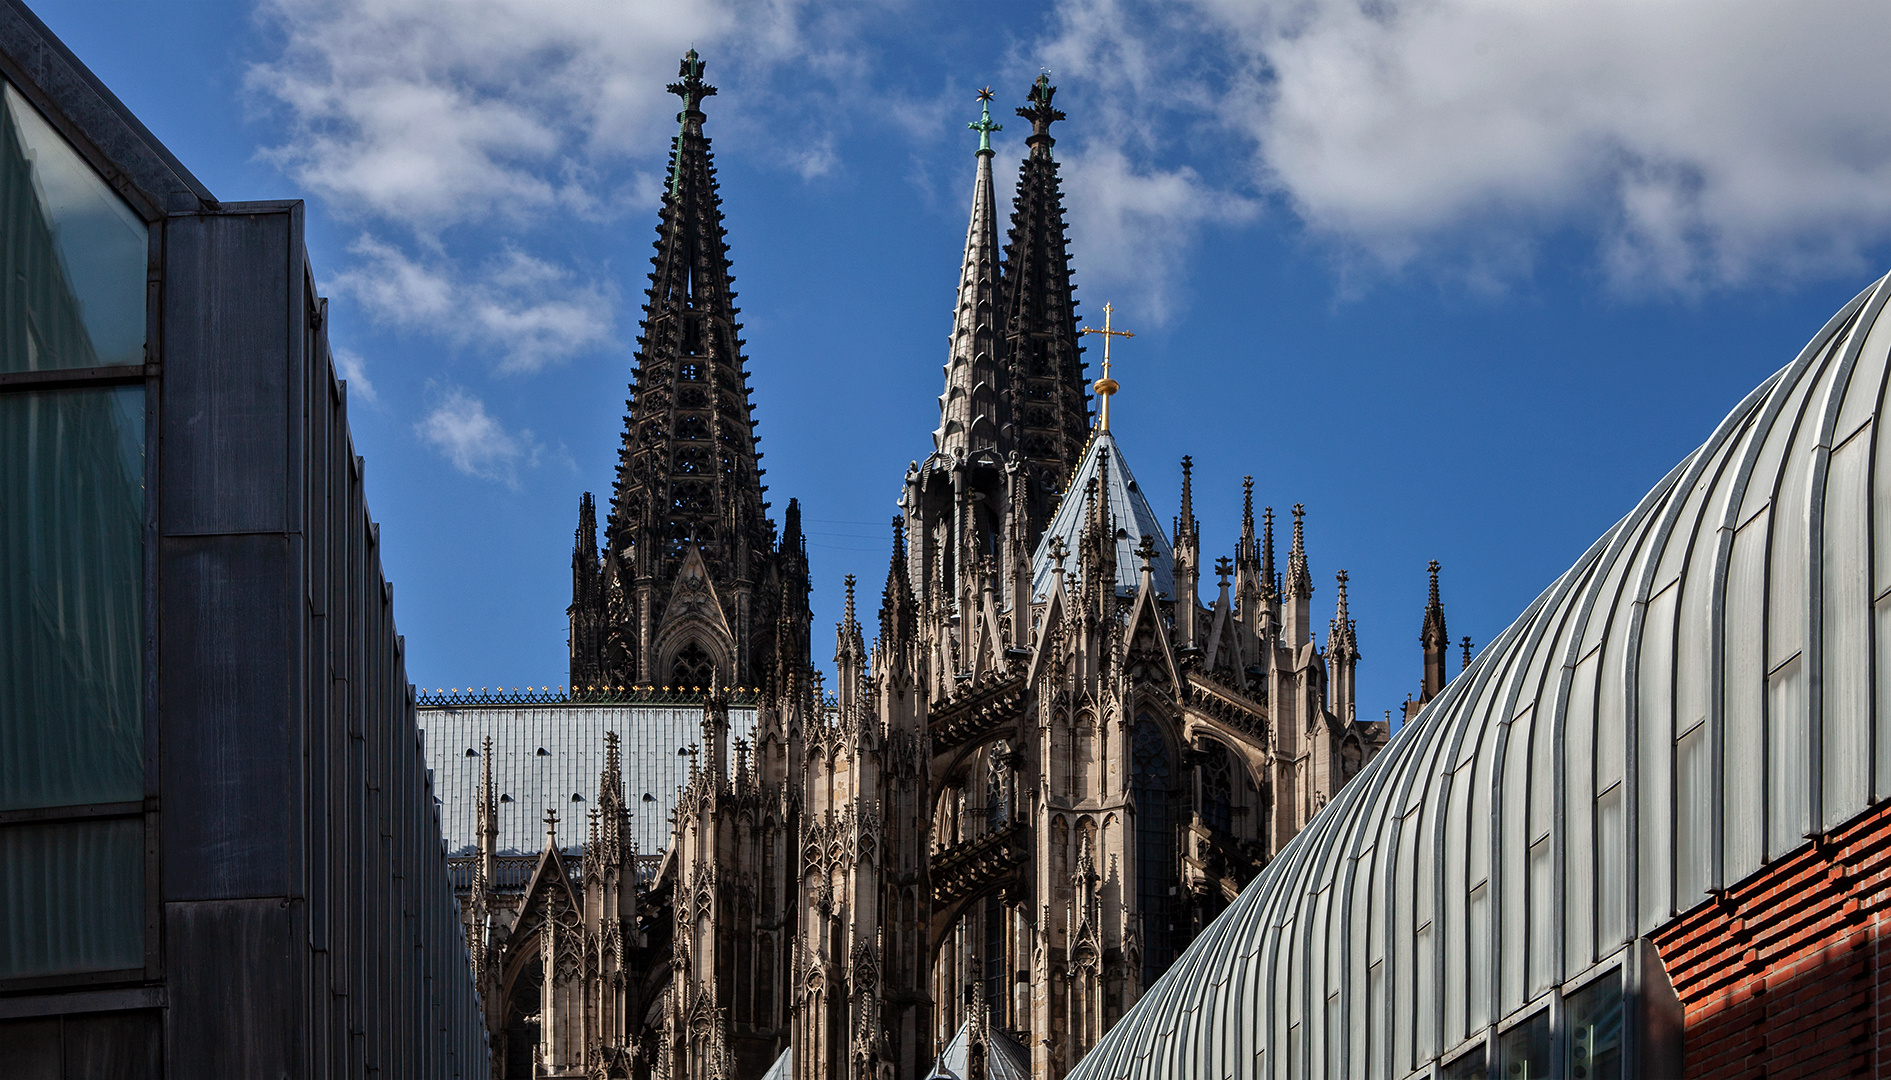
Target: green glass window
{"points": [[72, 254], [72, 590]]}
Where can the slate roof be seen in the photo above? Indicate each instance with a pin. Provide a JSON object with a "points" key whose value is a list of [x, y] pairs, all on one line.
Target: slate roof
{"points": [[1130, 512], [1007, 1058], [572, 740]]}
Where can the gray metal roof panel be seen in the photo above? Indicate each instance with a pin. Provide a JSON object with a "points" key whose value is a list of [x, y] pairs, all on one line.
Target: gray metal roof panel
{"points": [[1130, 511], [572, 738]]}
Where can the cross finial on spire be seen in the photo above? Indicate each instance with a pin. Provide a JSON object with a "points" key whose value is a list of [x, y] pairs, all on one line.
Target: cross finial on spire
{"points": [[551, 828], [1105, 386], [983, 124], [692, 89], [1041, 115], [1434, 582], [1223, 567], [1467, 651]]}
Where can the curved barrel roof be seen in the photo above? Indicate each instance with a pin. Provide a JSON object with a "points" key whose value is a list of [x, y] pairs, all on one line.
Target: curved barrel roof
{"points": [[1689, 702]]}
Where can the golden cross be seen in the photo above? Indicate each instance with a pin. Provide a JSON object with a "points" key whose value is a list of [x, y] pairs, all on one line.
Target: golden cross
{"points": [[1105, 386]]}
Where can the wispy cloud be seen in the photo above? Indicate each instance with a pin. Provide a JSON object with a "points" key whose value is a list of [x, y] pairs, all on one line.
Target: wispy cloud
{"points": [[352, 368], [430, 114], [525, 311], [1700, 144], [459, 427]]}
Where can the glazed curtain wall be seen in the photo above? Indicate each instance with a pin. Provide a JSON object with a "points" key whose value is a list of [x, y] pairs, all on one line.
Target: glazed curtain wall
{"points": [[1708, 686], [72, 596]]}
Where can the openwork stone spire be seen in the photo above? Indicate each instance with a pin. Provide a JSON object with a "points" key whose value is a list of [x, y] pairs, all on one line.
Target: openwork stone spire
{"points": [[1050, 399], [972, 411], [687, 520]]}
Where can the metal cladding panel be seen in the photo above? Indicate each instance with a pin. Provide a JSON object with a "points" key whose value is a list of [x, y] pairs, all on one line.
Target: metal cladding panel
{"points": [[1602, 685], [226, 391], [1130, 512], [223, 685], [230, 1014], [572, 740]]}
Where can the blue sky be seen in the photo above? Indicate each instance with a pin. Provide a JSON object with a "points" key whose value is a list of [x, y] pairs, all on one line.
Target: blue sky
{"points": [[1463, 278]]}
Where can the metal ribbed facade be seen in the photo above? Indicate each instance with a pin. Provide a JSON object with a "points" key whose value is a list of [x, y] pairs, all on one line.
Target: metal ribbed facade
{"points": [[1693, 699]]}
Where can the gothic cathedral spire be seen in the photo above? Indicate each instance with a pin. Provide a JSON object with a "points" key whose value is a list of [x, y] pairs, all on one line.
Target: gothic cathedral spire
{"points": [[691, 581], [1049, 398], [972, 409]]}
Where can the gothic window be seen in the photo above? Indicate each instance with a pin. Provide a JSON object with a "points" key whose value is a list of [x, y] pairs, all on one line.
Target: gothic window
{"points": [[653, 432], [691, 462], [692, 427], [689, 498], [995, 996], [692, 336], [1349, 758], [1082, 759], [768, 870], [1150, 785], [690, 372], [522, 1020], [692, 398], [692, 667], [1218, 788], [998, 787]]}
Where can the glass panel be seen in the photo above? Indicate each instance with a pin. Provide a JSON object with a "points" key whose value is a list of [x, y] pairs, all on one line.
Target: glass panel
{"points": [[1480, 955], [1611, 883], [1594, 1014], [1375, 1022], [1468, 1067], [1744, 686], [1846, 712], [1786, 804], [1579, 735], [71, 597], [1542, 916], [72, 254], [1881, 648], [1523, 1052], [1694, 823], [1655, 737], [71, 897]]}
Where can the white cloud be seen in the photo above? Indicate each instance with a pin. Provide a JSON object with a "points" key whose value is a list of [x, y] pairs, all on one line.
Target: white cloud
{"points": [[477, 445], [1134, 226], [526, 311], [351, 368], [1703, 144], [434, 113]]}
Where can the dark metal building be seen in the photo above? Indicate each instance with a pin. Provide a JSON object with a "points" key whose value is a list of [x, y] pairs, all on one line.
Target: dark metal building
{"points": [[220, 851]]}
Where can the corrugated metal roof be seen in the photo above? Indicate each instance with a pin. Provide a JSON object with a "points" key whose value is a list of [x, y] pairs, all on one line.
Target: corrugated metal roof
{"points": [[783, 1067], [542, 755], [1686, 706], [1128, 509]]}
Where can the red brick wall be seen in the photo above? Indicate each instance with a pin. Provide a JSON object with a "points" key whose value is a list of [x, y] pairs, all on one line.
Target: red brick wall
{"points": [[1786, 974]]}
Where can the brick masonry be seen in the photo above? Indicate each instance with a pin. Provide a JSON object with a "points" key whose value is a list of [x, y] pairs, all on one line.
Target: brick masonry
{"points": [[1785, 974]]}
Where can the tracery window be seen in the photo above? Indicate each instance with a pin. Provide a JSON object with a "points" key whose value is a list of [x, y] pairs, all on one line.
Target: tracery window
{"points": [[1151, 787], [692, 667], [1218, 787]]}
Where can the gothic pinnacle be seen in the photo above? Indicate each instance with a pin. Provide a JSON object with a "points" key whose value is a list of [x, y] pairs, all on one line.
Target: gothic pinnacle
{"points": [[1269, 587], [1299, 582]]}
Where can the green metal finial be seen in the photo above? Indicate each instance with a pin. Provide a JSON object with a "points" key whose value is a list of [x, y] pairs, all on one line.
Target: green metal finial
{"points": [[983, 124], [692, 89]]}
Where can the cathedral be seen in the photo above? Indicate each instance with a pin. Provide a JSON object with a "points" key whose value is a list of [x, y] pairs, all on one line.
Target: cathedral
{"points": [[1037, 777]]}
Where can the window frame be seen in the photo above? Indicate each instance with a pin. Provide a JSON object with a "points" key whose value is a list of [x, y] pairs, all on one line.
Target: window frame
{"points": [[148, 376]]}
